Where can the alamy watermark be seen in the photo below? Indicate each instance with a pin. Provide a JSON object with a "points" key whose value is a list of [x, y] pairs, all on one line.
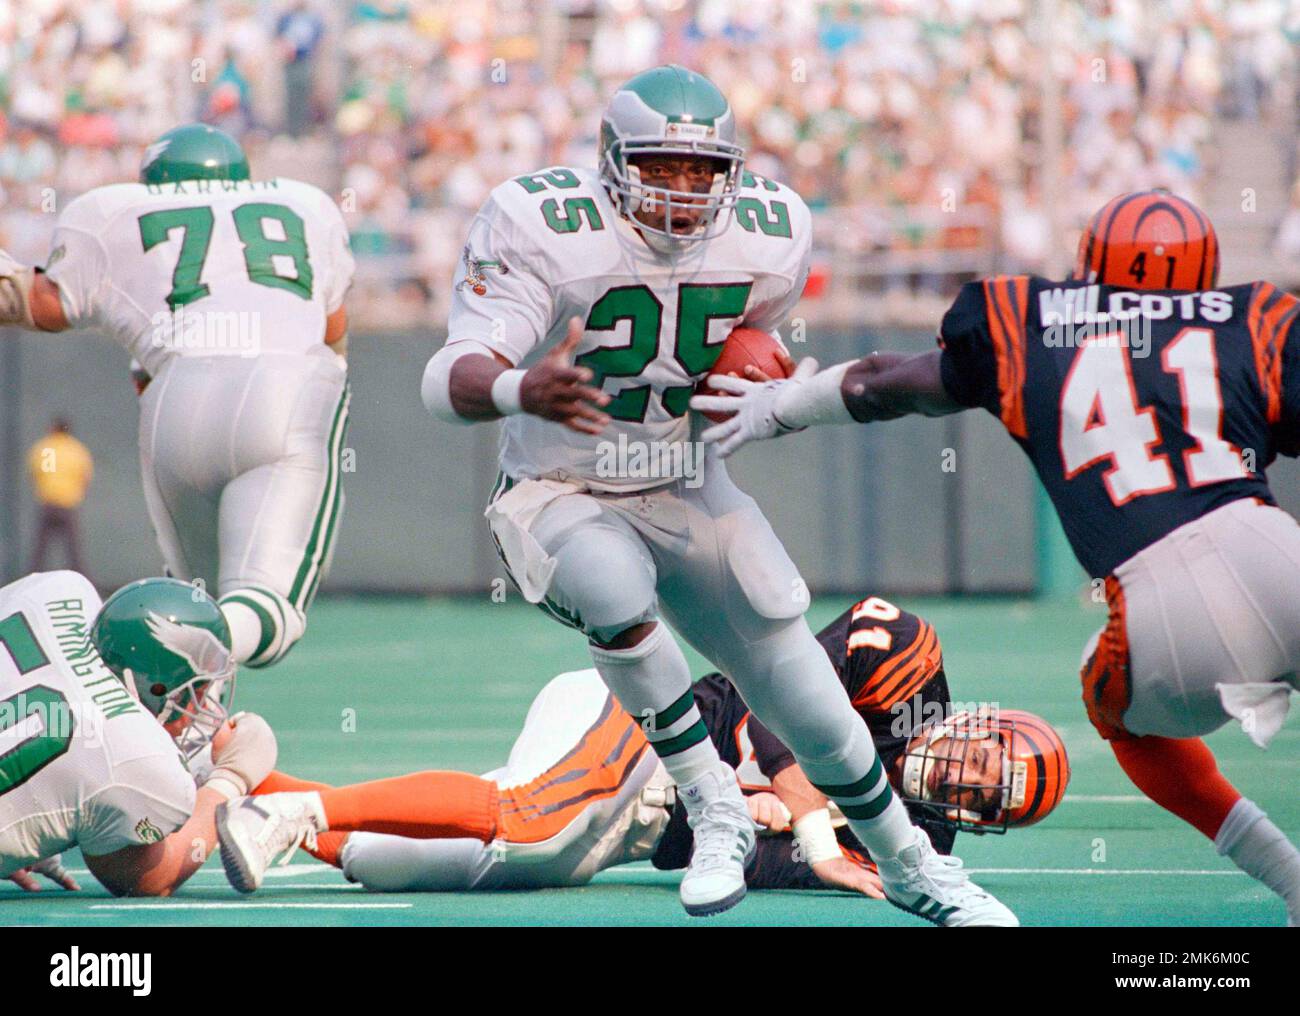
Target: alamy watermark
{"points": [[651, 460]]}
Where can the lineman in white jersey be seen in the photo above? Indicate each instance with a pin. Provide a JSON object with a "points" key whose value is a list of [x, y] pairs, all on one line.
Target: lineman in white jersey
{"points": [[229, 294], [605, 516], [87, 758]]}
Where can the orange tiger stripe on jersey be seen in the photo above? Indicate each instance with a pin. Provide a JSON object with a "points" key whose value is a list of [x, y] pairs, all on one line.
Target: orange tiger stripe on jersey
{"points": [[595, 768], [903, 675], [1006, 302], [1149, 240], [1268, 318], [1106, 690]]}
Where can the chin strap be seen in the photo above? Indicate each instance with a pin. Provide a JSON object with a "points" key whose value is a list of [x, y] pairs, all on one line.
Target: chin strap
{"points": [[15, 292]]}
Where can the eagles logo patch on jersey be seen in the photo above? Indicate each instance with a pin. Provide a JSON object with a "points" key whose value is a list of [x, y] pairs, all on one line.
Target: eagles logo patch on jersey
{"points": [[147, 832], [476, 272]]}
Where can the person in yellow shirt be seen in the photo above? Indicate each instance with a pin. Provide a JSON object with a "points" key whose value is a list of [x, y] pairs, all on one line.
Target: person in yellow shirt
{"points": [[61, 468]]}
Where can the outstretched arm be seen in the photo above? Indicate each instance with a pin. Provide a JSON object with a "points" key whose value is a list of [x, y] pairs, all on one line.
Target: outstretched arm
{"points": [[244, 753], [885, 386], [882, 386]]}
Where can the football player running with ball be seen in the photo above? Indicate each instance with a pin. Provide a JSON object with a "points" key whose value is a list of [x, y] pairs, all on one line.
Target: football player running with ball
{"points": [[228, 293], [1150, 400], [105, 708], [587, 307]]}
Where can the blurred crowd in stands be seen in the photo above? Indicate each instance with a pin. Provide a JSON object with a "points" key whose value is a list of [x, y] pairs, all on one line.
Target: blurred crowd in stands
{"points": [[939, 138]]}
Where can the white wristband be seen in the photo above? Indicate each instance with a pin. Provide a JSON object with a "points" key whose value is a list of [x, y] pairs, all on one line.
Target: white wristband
{"points": [[815, 400], [224, 783], [505, 392], [816, 837]]}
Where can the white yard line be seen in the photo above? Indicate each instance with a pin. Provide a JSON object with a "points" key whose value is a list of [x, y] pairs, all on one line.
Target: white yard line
{"points": [[1106, 799], [251, 906], [1101, 871]]}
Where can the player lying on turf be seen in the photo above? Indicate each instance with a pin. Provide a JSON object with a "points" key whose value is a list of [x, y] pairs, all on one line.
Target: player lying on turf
{"points": [[582, 792], [1150, 401], [228, 293], [95, 702], [588, 305]]}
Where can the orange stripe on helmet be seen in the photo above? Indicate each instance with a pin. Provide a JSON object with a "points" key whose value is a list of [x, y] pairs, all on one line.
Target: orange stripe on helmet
{"points": [[1149, 240], [1045, 746]]}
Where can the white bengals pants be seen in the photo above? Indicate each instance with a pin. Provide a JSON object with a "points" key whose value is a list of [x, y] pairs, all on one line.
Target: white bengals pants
{"points": [[1204, 628], [615, 815]]}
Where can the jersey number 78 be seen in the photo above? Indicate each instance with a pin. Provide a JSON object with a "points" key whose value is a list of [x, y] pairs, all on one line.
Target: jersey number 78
{"points": [[260, 250]]}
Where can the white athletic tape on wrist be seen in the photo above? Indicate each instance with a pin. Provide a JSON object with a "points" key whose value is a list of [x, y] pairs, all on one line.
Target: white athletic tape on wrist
{"points": [[505, 392], [816, 837], [227, 784], [815, 400]]}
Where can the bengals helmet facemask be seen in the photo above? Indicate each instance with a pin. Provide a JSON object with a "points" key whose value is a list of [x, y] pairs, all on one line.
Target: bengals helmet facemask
{"points": [[939, 774]]}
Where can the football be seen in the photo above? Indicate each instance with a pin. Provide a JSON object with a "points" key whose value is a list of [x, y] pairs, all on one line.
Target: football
{"points": [[744, 347]]}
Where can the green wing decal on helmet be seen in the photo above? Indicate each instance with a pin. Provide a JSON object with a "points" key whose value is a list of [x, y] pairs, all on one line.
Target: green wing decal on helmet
{"points": [[170, 641], [193, 152]]}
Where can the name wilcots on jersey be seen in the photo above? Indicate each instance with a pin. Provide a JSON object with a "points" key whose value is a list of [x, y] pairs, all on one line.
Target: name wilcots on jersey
{"points": [[1071, 317]]}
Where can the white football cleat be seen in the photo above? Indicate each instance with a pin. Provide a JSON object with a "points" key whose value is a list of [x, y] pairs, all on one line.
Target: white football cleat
{"points": [[724, 840], [934, 886], [253, 831]]}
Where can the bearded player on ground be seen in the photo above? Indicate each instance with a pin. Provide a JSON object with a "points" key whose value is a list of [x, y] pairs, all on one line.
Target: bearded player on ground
{"points": [[1149, 400], [228, 293], [103, 708], [582, 792]]}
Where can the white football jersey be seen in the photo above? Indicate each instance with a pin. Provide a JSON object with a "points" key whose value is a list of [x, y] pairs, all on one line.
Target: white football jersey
{"points": [[81, 760], [552, 245], [203, 267]]}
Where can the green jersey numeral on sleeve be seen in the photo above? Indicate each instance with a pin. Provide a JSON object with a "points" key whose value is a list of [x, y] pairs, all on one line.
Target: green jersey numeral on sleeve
{"points": [[564, 179], [753, 214], [576, 210]]}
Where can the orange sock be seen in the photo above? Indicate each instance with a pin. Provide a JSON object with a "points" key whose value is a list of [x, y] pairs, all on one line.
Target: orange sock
{"points": [[279, 782], [423, 806], [328, 847], [1181, 776]]}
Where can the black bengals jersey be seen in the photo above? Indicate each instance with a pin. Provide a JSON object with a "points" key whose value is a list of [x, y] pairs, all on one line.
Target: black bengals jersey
{"points": [[1140, 410], [886, 658]]}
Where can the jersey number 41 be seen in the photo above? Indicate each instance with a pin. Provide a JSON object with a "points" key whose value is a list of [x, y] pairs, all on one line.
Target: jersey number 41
{"points": [[1101, 418]]}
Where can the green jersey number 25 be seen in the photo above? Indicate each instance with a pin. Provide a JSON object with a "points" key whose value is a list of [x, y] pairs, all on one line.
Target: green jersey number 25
{"points": [[697, 305]]}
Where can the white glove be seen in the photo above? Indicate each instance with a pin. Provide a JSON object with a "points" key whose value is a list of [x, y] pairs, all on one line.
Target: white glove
{"points": [[754, 405], [246, 759]]}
